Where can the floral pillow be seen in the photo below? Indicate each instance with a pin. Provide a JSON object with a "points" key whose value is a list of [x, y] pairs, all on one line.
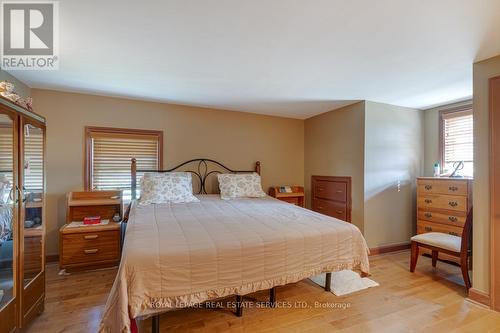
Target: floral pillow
{"points": [[240, 185], [175, 187]]}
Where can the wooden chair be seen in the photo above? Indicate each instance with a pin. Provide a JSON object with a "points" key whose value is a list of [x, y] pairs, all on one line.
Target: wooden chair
{"points": [[452, 245]]}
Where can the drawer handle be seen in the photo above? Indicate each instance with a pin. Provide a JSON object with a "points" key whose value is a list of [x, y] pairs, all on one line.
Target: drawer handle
{"points": [[91, 251], [320, 189], [320, 207], [453, 188], [428, 215], [339, 191], [453, 233], [428, 187], [428, 201], [453, 203], [340, 212], [452, 218], [90, 236], [428, 228]]}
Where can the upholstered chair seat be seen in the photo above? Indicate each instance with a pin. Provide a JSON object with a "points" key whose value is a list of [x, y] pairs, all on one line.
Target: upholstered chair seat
{"points": [[439, 239]]}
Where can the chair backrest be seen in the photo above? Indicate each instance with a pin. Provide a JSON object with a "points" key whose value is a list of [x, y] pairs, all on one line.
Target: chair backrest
{"points": [[467, 233]]}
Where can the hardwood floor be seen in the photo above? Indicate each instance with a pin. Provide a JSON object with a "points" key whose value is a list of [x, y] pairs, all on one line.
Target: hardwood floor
{"points": [[429, 300]]}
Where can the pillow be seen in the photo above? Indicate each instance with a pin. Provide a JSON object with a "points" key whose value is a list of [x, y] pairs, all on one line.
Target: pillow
{"points": [[240, 185], [176, 187]]}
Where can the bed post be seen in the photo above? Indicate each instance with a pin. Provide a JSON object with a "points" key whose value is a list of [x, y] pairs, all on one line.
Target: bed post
{"points": [[133, 169], [155, 324], [239, 305], [328, 281], [272, 297], [257, 167]]}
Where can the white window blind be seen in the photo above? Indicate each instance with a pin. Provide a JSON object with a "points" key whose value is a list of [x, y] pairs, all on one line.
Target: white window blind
{"points": [[6, 152], [458, 140], [111, 157], [33, 159]]}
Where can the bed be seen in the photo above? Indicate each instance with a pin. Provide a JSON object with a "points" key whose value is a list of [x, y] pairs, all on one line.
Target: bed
{"points": [[179, 255]]}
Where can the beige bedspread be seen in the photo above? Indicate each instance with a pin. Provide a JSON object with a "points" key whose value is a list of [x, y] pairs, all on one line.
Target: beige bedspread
{"points": [[177, 255]]}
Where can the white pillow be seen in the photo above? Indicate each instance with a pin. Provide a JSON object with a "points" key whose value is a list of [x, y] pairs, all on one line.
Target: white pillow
{"points": [[176, 187], [240, 185]]}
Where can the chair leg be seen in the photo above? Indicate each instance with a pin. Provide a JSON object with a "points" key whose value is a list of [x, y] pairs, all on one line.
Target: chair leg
{"points": [[155, 326], [414, 256], [465, 271], [434, 258]]}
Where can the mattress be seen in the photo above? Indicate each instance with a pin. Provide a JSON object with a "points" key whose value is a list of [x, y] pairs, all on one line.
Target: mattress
{"points": [[178, 255]]}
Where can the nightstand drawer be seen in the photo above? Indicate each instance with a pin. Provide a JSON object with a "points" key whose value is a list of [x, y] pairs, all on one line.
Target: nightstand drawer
{"points": [[90, 247]]}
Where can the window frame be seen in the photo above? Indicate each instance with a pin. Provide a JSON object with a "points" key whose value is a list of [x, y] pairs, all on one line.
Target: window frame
{"points": [[93, 130], [450, 113]]}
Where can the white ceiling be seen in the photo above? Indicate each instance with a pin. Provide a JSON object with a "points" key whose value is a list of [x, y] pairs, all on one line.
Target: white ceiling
{"points": [[292, 58]]}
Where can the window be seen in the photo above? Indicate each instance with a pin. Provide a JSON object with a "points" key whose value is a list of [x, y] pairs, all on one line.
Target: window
{"points": [[109, 152], [456, 127]]}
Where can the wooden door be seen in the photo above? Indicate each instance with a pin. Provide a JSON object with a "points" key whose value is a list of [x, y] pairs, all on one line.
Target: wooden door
{"points": [[9, 221]]}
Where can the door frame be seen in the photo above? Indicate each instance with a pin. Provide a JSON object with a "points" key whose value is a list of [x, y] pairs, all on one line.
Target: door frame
{"points": [[494, 164]]}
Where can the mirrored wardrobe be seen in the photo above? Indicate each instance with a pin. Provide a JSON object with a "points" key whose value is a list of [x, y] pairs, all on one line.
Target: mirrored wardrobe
{"points": [[22, 216]]}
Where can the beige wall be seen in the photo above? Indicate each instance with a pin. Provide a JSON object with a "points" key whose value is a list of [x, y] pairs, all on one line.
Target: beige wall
{"points": [[334, 146], [234, 138], [481, 251], [19, 87], [394, 148]]}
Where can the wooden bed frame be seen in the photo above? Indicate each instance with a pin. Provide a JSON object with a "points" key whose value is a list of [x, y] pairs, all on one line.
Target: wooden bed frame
{"points": [[201, 172]]}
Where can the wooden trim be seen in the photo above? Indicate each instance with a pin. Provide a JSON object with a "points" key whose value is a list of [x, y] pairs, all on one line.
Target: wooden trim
{"points": [[91, 130], [494, 165], [479, 297], [389, 248], [445, 113]]}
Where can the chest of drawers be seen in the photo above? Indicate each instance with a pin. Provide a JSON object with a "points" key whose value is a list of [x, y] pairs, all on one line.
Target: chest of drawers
{"points": [[332, 196], [442, 206]]}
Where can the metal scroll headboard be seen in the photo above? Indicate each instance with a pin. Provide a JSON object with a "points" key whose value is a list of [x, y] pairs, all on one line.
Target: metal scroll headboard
{"points": [[201, 168]]}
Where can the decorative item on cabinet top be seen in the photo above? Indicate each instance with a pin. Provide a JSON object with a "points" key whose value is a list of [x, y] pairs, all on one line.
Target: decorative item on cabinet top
{"points": [[442, 206], [331, 195], [290, 194]]}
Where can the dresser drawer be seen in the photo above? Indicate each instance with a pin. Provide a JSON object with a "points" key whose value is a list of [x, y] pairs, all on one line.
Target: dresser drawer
{"points": [[452, 187], [457, 220], [331, 208], [449, 202], [330, 190], [426, 226], [90, 247]]}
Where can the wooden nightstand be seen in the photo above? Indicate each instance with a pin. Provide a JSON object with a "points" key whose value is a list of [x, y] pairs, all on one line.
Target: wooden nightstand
{"points": [[84, 247], [296, 197]]}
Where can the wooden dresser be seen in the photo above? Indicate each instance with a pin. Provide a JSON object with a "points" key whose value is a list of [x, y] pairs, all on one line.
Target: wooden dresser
{"points": [[91, 246], [442, 206], [332, 196]]}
